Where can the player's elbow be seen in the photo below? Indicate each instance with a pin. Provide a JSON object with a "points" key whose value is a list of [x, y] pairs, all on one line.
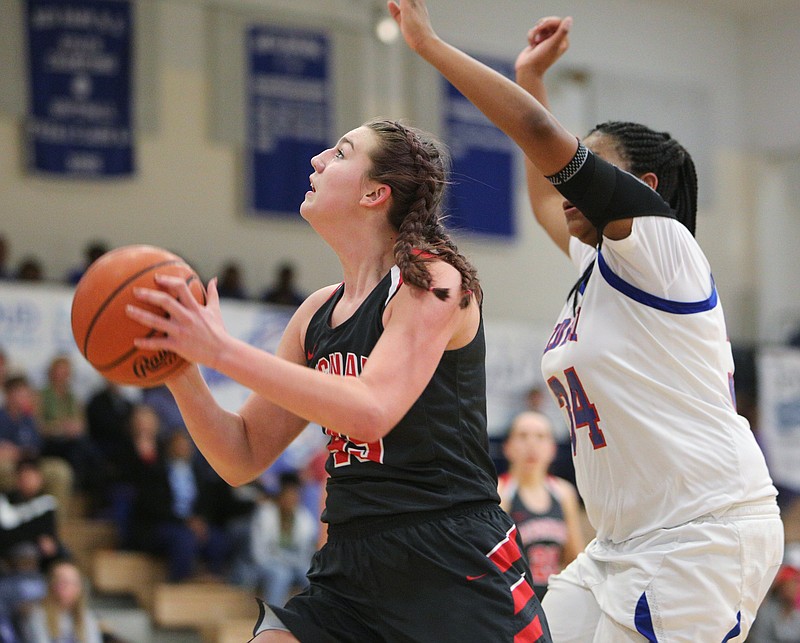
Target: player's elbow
{"points": [[238, 472], [371, 424], [237, 476], [541, 125]]}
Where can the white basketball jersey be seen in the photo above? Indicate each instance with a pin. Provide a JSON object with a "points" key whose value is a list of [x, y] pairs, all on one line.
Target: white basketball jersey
{"points": [[643, 371]]}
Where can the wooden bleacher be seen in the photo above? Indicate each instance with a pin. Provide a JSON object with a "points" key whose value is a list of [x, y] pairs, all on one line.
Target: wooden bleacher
{"points": [[230, 630], [116, 571], [202, 606], [83, 536]]}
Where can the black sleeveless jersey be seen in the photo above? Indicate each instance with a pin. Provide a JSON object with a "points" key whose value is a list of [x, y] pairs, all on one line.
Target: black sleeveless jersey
{"points": [[436, 456]]}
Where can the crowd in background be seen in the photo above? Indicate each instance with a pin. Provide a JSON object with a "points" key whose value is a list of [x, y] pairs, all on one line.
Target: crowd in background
{"points": [[130, 460], [283, 290]]}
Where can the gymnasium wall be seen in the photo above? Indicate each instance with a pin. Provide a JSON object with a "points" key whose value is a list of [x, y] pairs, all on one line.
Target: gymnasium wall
{"points": [[720, 82]]}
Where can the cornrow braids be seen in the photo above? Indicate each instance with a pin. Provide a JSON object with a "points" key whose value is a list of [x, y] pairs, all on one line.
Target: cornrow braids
{"points": [[645, 150], [415, 166]]}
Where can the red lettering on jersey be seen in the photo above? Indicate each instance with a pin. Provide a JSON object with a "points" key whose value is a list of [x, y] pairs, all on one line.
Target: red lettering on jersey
{"points": [[543, 560], [343, 450], [573, 336], [336, 363], [351, 369], [578, 407], [565, 331]]}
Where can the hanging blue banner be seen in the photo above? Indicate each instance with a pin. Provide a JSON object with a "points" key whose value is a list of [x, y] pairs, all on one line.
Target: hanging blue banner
{"points": [[289, 114], [79, 54], [481, 197]]}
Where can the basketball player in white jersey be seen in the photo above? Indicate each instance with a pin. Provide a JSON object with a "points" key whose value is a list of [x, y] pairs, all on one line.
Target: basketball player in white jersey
{"points": [[689, 535]]}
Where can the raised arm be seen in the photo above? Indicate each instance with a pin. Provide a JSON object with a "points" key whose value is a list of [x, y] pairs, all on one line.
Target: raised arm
{"points": [[547, 144], [548, 40]]}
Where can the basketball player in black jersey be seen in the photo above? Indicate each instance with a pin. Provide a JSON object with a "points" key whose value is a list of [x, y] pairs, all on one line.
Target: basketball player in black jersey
{"points": [[391, 363]]}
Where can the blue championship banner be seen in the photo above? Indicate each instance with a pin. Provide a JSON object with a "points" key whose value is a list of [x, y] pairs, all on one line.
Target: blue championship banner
{"points": [[80, 89], [481, 196], [288, 114]]}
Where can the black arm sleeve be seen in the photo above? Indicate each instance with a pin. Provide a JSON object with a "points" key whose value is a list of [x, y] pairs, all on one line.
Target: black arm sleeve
{"points": [[604, 193]]}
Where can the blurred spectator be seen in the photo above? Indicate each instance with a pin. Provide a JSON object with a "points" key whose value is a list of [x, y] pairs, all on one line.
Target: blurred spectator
{"points": [[64, 614], [30, 269], [794, 338], [539, 400], [141, 432], [91, 253], [22, 585], [284, 291], [3, 374], [64, 429], [108, 412], [283, 538], [178, 512], [778, 618], [5, 271], [231, 283], [161, 401], [20, 437], [36, 511]]}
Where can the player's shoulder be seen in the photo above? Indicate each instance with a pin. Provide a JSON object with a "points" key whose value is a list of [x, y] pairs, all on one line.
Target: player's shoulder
{"points": [[444, 275], [562, 489], [302, 316], [315, 300]]}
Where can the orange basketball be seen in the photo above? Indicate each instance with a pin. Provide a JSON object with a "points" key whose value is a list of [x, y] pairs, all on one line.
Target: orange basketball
{"points": [[104, 333]]}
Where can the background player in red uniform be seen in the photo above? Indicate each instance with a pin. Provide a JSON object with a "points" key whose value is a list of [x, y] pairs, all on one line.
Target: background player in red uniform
{"points": [[544, 507]]}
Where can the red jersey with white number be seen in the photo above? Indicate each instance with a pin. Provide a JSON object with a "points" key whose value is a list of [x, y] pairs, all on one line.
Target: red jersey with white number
{"points": [[642, 367], [437, 456]]}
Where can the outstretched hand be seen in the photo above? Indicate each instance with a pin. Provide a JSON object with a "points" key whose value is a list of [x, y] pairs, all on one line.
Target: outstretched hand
{"points": [[548, 39], [414, 22], [192, 330]]}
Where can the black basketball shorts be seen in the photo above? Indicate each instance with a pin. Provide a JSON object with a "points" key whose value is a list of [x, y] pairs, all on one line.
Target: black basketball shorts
{"points": [[436, 577]]}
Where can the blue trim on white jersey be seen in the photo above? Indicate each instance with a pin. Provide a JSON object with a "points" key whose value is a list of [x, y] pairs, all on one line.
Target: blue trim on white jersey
{"points": [[643, 620], [665, 305], [737, 629]]}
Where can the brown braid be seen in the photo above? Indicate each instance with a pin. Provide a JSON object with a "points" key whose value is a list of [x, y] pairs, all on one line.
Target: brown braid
{"points": [[415, 166]]}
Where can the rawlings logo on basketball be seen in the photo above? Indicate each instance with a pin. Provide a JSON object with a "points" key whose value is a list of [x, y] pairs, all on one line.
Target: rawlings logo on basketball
{"points": [[146, 365]]}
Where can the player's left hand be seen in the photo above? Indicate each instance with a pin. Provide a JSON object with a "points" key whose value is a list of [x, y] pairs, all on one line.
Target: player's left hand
{"points": [[548, 40], [194, 331]]}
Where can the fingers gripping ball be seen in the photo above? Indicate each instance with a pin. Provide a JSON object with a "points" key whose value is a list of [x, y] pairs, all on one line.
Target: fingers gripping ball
{"points": [[104, 333]]}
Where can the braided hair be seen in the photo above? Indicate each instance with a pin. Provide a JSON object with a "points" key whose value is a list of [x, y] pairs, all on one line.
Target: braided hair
{"points": [[415, 166], [645, 150]]}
